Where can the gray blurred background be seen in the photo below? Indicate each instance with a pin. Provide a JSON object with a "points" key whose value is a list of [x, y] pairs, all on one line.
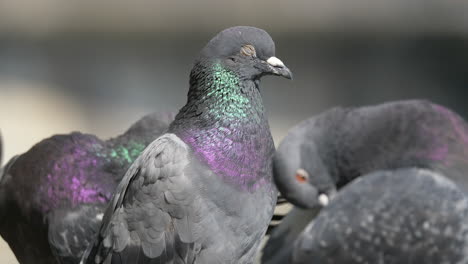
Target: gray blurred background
{"points": [[97, 66]]}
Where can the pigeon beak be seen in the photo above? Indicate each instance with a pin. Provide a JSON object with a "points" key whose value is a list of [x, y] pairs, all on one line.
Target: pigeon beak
{"points": [[325, 198], [278, 68]]}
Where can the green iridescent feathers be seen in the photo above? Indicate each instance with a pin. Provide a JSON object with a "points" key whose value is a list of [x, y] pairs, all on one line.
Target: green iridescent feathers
{"points": [[123, 153]]}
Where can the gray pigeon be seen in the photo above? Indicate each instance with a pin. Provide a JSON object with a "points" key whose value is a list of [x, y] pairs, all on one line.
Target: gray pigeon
{"points": [[53, 197], [404, 216], [327, 151], [203, 192]]}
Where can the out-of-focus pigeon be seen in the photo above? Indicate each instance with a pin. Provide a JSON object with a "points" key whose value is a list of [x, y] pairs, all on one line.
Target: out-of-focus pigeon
{"points": [[203, 193], [53, 197], [327, 151], [403, 216]]}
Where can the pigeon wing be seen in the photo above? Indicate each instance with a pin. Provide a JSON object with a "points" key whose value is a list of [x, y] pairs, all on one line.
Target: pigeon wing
{"points": [[155, 213]]}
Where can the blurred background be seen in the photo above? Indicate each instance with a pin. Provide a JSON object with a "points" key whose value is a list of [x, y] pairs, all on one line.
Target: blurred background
{"points": [[97, 66]]}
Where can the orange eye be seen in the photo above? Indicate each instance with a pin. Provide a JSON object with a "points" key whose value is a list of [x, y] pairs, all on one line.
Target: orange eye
{"points": [[302, 175], [300, 178]]}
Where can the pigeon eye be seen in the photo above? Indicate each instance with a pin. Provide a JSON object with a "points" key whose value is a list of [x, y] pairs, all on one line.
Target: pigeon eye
{"points": [[302, 175], [248, 50]]}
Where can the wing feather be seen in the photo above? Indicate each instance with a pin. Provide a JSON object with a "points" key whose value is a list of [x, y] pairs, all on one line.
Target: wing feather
{"points": [[154, 211]]}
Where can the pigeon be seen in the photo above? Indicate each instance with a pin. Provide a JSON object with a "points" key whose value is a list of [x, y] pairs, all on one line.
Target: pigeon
{"points": [[53, 197], [401, 216], [324, 153], [203, 192]]}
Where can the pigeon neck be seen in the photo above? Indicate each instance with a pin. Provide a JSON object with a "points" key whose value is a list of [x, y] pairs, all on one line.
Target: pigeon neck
{"points": [[225, 124]]}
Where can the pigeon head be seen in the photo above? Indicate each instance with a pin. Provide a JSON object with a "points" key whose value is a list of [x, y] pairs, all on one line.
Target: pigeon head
{"points": [[247, 51], [299, 171]]}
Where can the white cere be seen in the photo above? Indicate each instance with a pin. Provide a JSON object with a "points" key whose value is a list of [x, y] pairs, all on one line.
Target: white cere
{"points": [[275, 62]]}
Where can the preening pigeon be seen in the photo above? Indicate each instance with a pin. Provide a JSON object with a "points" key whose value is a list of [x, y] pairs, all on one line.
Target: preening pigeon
{"points": [[403, 216], [203, 192], [327, 151], [53, 197]]}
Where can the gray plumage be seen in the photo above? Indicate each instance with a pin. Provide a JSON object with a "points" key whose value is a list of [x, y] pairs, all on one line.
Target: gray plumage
{"points": [[405, 216], [53, 197], [203, 192], [342, 144], [324, 153]]}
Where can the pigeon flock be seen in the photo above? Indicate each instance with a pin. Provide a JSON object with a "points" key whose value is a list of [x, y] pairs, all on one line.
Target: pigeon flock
{"points": [[335, 149], [381, 184]]}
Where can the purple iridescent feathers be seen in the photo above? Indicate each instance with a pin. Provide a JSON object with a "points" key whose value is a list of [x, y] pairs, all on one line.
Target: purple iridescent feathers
{"points": [[235, 146], [66, 180]]}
